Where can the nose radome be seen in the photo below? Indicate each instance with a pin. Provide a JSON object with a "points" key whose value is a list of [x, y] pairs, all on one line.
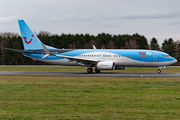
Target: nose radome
{"points": [[173, 60]]}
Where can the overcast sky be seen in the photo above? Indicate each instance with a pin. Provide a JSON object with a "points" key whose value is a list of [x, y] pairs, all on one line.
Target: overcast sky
{"points": [[151, 18]]}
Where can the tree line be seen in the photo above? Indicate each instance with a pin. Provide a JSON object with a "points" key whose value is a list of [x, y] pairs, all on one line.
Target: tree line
{"points": [[81, 41]]}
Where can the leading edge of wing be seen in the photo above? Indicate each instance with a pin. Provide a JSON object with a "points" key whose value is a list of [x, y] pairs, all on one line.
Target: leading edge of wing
{"points": [[77, 58]]}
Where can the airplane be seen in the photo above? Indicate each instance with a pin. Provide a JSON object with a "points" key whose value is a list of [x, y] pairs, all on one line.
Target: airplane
{"points": [[101, 59]]}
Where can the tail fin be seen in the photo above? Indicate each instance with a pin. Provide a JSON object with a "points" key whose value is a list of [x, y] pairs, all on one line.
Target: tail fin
{"points": [[30, 40]]}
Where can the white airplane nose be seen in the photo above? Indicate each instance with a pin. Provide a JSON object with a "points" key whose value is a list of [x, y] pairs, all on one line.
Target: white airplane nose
{"points": [[173, 61]]}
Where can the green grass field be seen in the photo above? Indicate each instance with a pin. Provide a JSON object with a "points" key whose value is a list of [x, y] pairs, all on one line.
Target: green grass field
{"points": [[33, 97], [23, 97]]}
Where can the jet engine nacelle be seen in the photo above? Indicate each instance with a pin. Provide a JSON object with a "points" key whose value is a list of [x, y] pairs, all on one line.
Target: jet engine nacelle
{"points": [[107, 65]]}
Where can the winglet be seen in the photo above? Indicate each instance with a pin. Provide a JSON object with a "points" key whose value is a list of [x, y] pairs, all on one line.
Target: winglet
{"points": [[94, 47], [45, 49]]}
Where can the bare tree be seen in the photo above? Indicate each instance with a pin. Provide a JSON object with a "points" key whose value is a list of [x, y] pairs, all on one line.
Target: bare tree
{"points": [[110, 45], [9, 34], [72, 46], [131, 44], [89, 45], [44, 33]]}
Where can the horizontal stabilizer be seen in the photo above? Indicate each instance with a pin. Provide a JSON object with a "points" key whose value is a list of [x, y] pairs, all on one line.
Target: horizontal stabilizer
{"points": [[17, 50]]}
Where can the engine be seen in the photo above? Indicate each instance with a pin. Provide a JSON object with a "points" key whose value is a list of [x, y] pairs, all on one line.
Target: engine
{"points": [[107, 65]]}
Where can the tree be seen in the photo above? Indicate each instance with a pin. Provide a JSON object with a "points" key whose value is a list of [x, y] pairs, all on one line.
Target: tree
{"points": [[178, 52], [141, 41], [118, 41], [169, 47], [110, 45], [154, 44], [1, 51], [131, 44], [80, 41], [44, 33]]}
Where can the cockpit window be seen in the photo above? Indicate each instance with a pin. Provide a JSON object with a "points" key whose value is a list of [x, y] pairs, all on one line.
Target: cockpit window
{"points": [[165, 55]]}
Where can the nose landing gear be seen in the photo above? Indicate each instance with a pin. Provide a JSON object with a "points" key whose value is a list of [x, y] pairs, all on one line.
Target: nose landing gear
{"points": [[162, 67], [158, 71]]}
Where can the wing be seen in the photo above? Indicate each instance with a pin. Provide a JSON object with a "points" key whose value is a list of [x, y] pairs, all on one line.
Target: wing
{"points": [[79, 60], [83, 61]]}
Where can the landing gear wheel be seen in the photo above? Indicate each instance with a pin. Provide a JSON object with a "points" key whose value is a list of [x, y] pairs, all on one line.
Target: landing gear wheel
{"points": [[159, 71], [97, 71], [89, 70]]}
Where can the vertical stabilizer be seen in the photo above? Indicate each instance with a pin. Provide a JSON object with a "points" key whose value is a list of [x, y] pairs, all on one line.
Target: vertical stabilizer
{"points": [[30, 40]]}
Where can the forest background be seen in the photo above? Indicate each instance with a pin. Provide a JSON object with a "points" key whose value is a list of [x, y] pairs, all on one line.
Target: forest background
{"points": [[81, 41]]}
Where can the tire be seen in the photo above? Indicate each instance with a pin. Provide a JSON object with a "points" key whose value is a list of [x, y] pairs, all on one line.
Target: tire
{"points": [[97, 71], [89, 70], [159, 71]]}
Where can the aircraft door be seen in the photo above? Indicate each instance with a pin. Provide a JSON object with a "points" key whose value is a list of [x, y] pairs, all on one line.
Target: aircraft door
{"points": [[42, 55], [101, 56], [155, 55]]}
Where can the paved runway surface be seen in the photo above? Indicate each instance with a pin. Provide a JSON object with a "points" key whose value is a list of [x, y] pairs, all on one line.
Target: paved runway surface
{"points": [[84, 74]]}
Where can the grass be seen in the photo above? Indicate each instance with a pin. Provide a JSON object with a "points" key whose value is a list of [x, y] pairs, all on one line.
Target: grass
{"points": [[27, 97], [32, 97], [84, 69]]}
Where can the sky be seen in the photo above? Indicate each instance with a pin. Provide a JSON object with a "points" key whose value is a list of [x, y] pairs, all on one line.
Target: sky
{"points": [[151, 18]]}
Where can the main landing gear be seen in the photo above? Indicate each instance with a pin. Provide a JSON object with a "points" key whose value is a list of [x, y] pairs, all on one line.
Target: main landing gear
{"points": [[90, 70], [97, 71]]}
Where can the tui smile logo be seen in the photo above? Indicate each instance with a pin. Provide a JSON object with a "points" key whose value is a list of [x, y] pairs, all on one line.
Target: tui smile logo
{"points": [[28, 41]]}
